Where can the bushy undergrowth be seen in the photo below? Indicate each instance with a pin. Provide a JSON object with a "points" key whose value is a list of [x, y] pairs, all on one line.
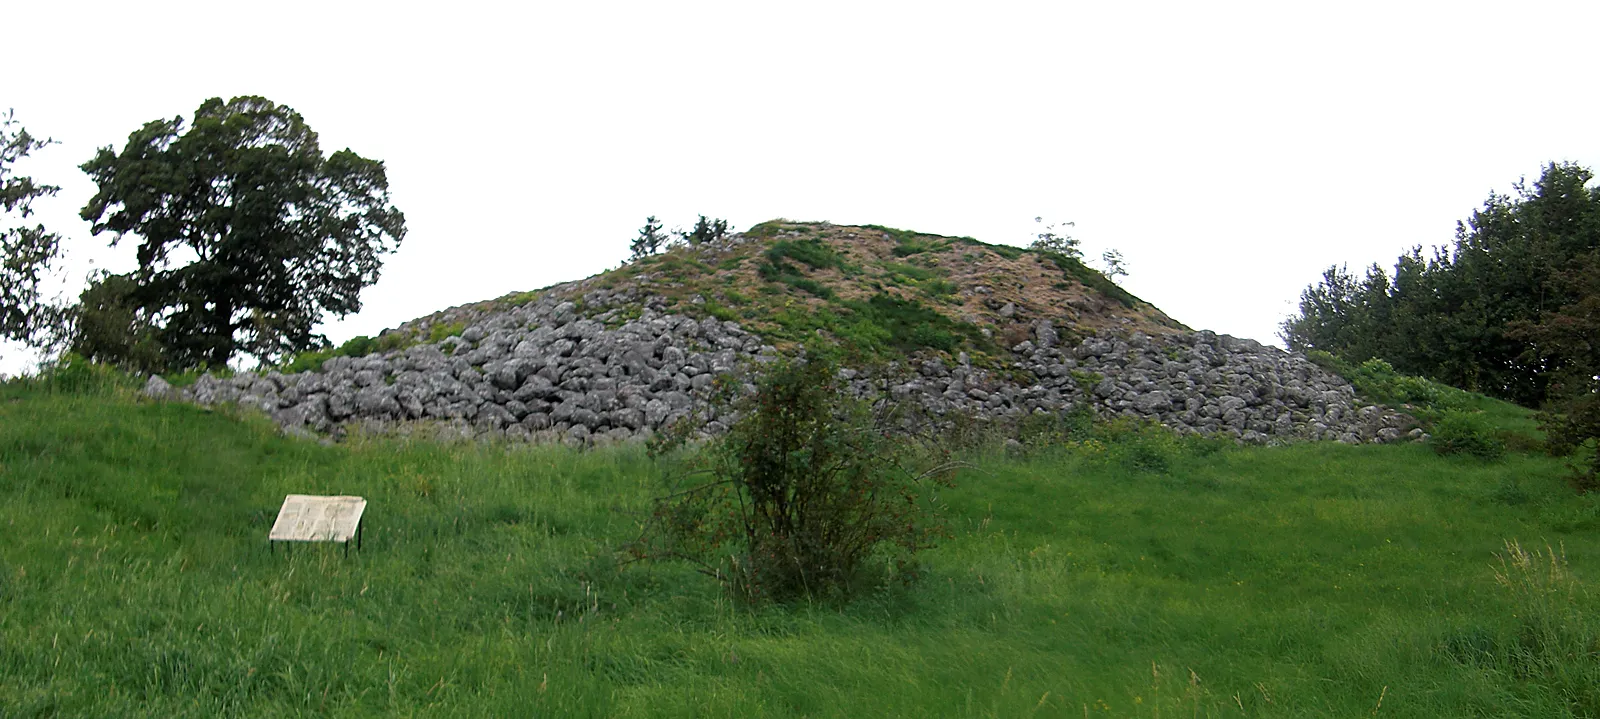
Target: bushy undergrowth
{"points": [[882, 326], [809, 494], [358, 346], [1462, 432], [815, 253], [1458, 422]]}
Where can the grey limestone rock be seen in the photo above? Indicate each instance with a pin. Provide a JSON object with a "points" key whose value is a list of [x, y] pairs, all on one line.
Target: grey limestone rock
{"points": [[158, 388], [547, 372]]}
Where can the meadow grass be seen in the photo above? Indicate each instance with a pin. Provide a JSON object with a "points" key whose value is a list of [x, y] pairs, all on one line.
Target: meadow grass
{"points": [[1310, 580]]}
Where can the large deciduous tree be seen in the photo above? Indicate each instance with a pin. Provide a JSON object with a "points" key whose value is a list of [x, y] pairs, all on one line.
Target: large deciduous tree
{"points": [[25, 315], [247, 234], [1568, 340]]}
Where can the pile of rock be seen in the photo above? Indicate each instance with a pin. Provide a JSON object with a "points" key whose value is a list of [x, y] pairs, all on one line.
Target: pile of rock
{"points": [[543, 372]]}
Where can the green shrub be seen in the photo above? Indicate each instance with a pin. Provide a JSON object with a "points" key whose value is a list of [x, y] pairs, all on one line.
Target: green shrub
{"points": [[912, 271], [778, 270], [939, 288], [1047, 429], [72, 374], [911, 326], [1378, 379], [518, 299], [438, 332], [806, 496], [1459, 432], [391, 340], [720, 312], [358, 346], [814, 253], [111, 328], [810, 286], [933, 338]]}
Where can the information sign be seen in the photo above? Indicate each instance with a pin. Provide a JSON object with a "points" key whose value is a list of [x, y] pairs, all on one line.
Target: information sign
{"points": [[311, 518]]}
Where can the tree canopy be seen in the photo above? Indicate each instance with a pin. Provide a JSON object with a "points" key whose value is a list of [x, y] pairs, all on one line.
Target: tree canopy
{"points": [[1450, 315], [248, 235], [29, 251]]}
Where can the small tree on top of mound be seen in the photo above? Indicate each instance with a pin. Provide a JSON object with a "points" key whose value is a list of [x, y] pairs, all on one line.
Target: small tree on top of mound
{"points": [[808, 495], [649, 241], [1055, 240]]}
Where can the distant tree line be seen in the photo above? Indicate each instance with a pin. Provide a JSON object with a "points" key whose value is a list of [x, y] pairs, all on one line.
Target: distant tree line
{"points": [[248, 235], [1511, 309]]}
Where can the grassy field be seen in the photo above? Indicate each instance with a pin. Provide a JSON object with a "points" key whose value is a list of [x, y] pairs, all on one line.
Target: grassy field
{"points": [[1313, 580]]}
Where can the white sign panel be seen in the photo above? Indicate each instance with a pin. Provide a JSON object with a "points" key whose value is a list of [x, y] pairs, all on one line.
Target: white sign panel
{"points": [[310, 518]]}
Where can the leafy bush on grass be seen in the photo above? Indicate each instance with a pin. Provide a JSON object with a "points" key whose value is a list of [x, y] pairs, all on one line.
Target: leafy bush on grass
{"points": [[1379, 380], [804, 497], [1459, 432]]}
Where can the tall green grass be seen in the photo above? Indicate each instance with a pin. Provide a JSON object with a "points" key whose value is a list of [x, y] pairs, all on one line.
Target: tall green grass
{"points": [[1104, 577]]}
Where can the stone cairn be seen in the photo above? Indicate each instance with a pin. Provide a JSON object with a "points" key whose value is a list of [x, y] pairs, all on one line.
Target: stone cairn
{"points": [[544, 372]]}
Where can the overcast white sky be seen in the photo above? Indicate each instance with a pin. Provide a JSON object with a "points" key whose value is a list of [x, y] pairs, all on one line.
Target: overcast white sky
{"points": [[1231, 151]]}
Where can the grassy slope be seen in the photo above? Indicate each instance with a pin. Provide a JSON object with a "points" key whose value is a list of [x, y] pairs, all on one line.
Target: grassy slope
{"points": [[1301, 581]]}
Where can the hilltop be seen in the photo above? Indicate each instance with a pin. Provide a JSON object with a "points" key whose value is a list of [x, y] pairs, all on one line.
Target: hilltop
{"points": [[786, 280], [959, 327]]}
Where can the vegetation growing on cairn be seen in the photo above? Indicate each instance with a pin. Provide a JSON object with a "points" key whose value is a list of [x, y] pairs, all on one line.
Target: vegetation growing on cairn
{"points": [[867, 288], [877, 292]]}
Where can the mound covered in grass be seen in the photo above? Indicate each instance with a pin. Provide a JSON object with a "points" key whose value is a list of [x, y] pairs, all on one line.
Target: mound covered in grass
{"points": [[1123, 573]]}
